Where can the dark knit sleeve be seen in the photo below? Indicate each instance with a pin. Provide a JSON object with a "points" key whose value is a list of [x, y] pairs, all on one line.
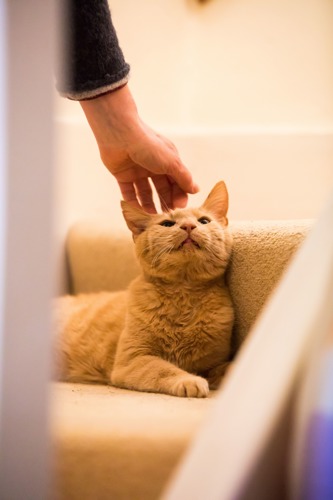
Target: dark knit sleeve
{"points": [[94, 60]]}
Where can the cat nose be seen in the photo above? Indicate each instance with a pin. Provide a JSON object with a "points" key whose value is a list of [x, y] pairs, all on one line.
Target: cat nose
{"points": [[188, 226]]}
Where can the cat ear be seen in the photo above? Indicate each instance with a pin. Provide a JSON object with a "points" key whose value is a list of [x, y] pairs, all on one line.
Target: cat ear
{"points": [[136, 218], [217, 202]]}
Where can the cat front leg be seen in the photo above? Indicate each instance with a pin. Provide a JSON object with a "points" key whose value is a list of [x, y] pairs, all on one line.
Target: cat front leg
{"points": [[153, 374]]}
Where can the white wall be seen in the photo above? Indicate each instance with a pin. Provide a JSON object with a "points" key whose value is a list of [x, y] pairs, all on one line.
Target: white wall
{"points": [[228, 63], [244, 89]]}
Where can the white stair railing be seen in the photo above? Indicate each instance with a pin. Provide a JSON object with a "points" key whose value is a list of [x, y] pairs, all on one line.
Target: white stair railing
{"points": [[26, 180]]}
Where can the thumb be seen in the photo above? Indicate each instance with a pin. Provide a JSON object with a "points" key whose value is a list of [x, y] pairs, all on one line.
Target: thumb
{"points": [[181, 176]]}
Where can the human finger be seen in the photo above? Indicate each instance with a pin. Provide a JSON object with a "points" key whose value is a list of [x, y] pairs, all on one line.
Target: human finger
{"points": [[145, 194], [179, 196], [177, 171], [128, 193], [164, 190]]}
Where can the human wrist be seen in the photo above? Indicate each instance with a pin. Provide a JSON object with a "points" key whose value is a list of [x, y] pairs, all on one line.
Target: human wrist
{"points": [[112, 113]]}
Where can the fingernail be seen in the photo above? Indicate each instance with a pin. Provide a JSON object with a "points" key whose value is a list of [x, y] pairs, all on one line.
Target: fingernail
{"points": [[195, 188]]}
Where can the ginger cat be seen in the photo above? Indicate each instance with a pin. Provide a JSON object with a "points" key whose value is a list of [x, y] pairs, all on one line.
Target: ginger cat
{"points": [[170, 332]]}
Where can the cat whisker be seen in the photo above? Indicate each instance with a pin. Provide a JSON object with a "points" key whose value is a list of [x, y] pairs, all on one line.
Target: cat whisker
{"points": [[164, 205], [164, 251], [158, 256]]}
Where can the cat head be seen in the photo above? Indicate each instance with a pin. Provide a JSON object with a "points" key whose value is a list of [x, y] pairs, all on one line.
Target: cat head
{"points": [[192, 243]]}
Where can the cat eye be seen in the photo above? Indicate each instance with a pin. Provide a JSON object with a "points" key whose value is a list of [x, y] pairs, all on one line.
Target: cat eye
{"points": [[167, 223], [204, 220]]}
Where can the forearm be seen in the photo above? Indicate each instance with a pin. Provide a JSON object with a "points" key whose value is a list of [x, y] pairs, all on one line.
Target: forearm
{"points": [[94, 60], [114, 120]]}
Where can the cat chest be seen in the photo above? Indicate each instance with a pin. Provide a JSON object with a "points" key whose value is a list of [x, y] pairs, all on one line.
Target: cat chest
{"points": [[193, 338], [186, 313], [191, 330]]}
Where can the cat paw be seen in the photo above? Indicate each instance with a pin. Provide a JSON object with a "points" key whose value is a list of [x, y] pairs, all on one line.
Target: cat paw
{"points": [[190, 386]]}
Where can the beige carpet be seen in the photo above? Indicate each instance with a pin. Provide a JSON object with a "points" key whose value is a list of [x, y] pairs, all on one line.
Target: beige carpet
{"points": [[116, 444]]}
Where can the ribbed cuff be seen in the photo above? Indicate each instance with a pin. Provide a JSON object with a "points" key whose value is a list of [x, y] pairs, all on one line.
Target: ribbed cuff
{"points": [[90, 94]]}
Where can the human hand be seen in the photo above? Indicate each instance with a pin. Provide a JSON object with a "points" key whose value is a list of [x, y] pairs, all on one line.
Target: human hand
{"points": [[134, 153]]}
